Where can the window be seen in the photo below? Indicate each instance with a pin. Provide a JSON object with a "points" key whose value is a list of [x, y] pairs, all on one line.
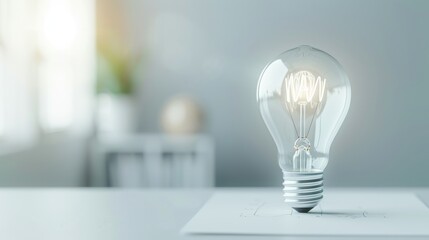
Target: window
{"points": [[2, 78], [62, 33], [47, 67], [3, 21], [56, 95]]}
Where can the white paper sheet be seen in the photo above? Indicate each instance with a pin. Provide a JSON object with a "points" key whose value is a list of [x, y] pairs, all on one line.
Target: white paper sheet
{"points": [[339, 213]]}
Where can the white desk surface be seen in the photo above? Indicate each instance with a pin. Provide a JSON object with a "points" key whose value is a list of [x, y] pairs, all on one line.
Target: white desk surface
{"points": [[92, 214]]}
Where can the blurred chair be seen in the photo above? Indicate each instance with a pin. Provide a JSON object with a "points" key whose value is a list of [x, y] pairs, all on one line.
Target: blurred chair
{"points": [[153, 161]]}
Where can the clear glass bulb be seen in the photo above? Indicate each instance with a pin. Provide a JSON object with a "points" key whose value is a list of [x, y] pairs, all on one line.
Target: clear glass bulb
{"points": [[303, 96]]}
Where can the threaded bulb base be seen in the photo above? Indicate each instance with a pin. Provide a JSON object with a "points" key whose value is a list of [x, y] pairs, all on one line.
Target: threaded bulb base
{"points": [[303, 190]]}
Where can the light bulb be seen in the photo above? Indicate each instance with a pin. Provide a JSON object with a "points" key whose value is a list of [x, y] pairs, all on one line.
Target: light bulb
{"points": [[303, 96]]}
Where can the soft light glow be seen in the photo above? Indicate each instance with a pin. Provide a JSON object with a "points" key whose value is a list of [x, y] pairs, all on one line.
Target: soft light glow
{"points": [[303, 86], [2, 97], [58, 26], [56, 95], [59, 46]]}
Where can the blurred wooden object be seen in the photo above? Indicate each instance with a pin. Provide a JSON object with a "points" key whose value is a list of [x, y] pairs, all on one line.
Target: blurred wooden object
{"points": [[152, 161]]}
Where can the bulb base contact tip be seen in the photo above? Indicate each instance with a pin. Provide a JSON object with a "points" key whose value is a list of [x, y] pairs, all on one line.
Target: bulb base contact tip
{"points": [[303, 190]]}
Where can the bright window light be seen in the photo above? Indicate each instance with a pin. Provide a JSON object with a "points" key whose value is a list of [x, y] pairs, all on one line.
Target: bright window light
{"points": [[56, 96], [2, 97], [46, 68], [57, 26], [58, 37]]}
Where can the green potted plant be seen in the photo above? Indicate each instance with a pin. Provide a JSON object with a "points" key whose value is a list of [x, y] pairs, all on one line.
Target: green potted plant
{"points": [[115, 104]]}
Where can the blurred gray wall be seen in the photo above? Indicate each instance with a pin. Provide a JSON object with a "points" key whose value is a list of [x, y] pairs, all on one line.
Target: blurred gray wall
{"points": [[215, 50]]}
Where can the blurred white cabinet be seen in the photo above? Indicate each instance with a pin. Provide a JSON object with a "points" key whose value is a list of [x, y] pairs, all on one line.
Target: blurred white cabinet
{"points": [[152, 161]]}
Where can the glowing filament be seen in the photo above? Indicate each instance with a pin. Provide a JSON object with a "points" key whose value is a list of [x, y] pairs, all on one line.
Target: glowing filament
{"points": [[302, 87]]}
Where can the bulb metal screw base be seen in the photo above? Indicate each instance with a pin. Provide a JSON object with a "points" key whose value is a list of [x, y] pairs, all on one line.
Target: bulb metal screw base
{"points": [[303, 190]]}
